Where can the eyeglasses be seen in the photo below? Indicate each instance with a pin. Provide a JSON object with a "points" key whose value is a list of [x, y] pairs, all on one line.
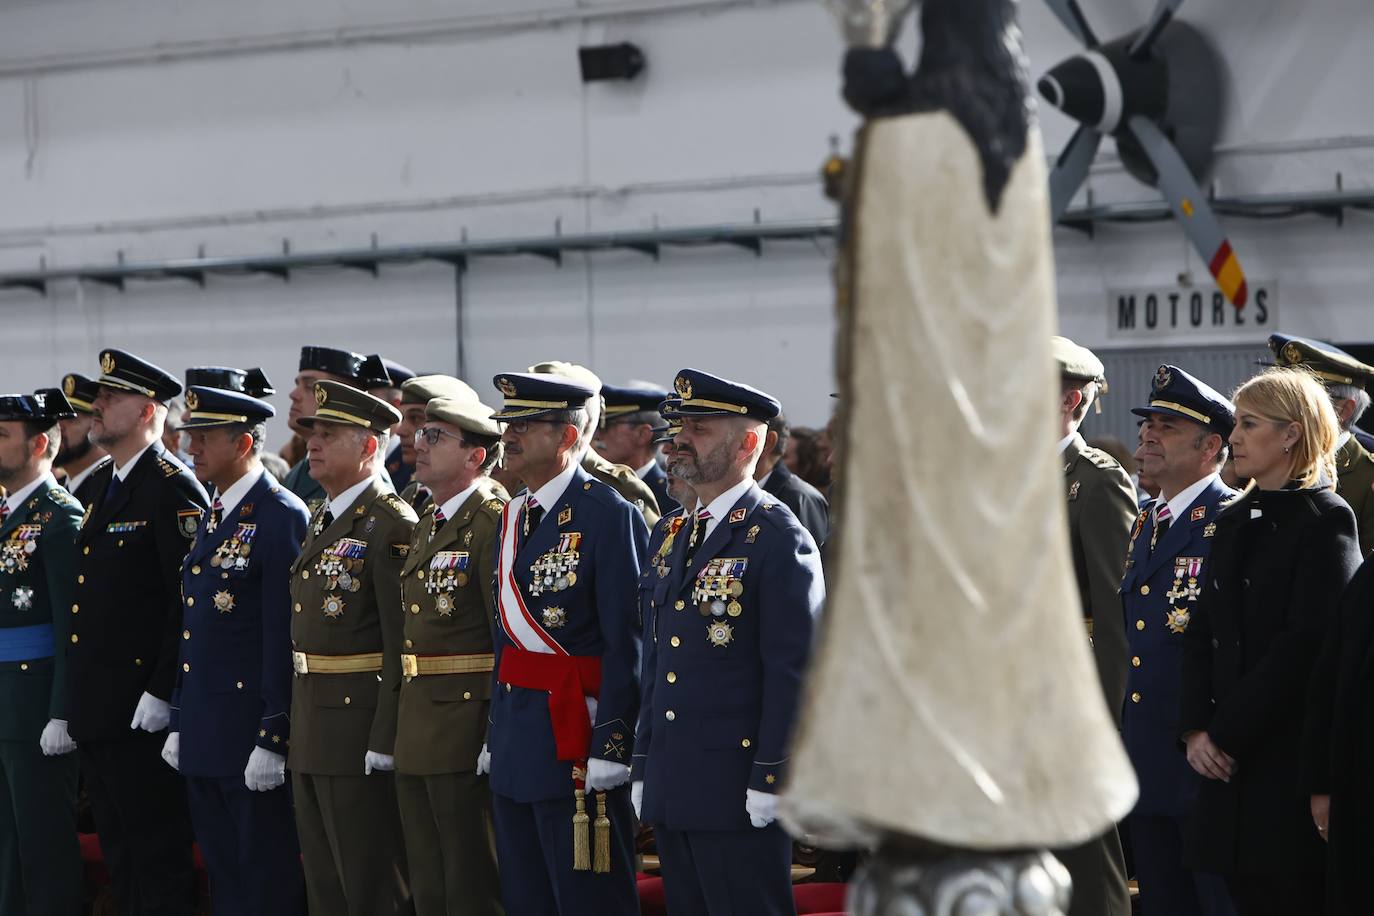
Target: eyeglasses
{"points": [[520, 427], [432, 435]]}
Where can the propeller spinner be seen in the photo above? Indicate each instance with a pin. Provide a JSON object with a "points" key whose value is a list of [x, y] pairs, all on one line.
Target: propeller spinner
{"points": [[1157, 92]]}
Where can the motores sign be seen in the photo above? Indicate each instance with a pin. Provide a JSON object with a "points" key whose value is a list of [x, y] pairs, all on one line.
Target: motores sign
{"points": [[1187, 315]]}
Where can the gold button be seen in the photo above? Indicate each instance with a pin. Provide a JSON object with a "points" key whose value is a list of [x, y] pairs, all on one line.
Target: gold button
{"points": [[85, 550], [679, 604], [138, 661], [305, 574], [467, 694], [508, 688], [420, 574], [80, 580], [744, 743], [348, 701], [186, 666], [185, 634], [75, 608], [298, 607], [409, 644], [238, 684], [190, 602], [1135, 698], [74, 638], [675, 642], [672, 677], [670, 715], [120, 544], [414, 609], [195, 570], [1135, 661], [24, 666], [1140, 624], [1144, 589]]}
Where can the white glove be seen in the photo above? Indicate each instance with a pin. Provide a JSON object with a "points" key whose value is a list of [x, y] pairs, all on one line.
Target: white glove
{"points": [[152, 714], [56, 740], [762, 807], [483, 761], [171, 750], [382, 763], [265, 771], [603, 775], [591, 709], [637, 796]]}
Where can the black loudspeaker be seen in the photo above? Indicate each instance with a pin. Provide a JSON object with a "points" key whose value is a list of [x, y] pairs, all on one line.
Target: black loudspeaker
{"points": [[610, 62]]}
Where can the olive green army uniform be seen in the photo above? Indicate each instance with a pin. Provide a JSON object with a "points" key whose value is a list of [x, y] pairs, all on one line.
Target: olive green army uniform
{"points": [[1355, 485]]}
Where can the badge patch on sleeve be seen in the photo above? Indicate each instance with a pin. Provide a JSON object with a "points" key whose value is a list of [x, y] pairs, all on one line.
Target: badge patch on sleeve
{"points": [[188, 520]]}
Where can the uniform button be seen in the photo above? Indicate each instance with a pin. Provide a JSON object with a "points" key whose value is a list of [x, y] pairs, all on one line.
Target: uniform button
{"points": [[653, 603], [419, 574], [305, 574], [1135, 697], [672, 677], [24, 666], [670, 715], [1144, 589], [81, 580], [74, 638], [138, 661], [467, 694], [185, 634], [190, 602], [409, 644], [85, 551], [1135, 661], [679, 604], [195, 570], [675, 642], [744, 743], [298, 607], [238, 684], [508, 688], [75, 608], [414, 609], [186, 666], [1140, 624], [1216, 644], [348, 701]]}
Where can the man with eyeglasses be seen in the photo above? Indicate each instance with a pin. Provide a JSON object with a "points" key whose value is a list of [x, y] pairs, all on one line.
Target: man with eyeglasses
{"points": [[567, 691], [416, 393], [447, 661]]}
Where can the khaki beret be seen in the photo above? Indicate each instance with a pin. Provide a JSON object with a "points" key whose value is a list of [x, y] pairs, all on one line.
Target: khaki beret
{"points": [[1077, 362], [424, 388], [470, 415]]}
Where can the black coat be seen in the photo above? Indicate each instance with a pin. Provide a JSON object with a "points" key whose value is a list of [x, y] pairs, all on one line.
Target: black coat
{"points": [[1340, 744], [126, 615], [1269, 600], [805, 501]]}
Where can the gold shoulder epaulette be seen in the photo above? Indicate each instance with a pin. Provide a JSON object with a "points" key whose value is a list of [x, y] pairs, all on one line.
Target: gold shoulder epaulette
{"points": [[168, 469], [62, 498]]}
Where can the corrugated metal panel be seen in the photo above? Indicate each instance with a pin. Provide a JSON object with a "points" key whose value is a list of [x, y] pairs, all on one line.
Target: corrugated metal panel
{"points": [[1129, 373]]}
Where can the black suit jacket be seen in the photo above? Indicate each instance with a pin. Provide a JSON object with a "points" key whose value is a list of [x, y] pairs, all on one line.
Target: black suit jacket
{"points": [[806, 502], [126, 611]]}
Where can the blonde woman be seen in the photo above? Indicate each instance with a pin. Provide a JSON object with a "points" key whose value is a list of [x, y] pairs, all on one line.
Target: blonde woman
{"points": [[1283, 553]]}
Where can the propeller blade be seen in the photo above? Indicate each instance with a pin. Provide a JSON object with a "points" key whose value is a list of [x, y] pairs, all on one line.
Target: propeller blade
{"points": [[1071, 168], [1072, 16], [1164, 11], [1191, 209]]}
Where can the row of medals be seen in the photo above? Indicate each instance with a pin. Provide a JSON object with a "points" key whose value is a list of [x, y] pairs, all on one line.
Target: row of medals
{"points": [[441, 583], [554, 571], [710, 595], [14, 554], [233, 552], [341, 574]]}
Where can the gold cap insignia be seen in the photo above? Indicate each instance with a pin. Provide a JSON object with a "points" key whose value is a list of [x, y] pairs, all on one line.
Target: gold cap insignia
{"points": [[683, 387], [69, 386], [507, 386], [321, 396], [192, 401], [1291, 353], [107, 363], [1162, 378]]}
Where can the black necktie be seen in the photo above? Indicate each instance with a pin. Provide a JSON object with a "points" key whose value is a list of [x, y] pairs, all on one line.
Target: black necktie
{"points": [[112, 491]]}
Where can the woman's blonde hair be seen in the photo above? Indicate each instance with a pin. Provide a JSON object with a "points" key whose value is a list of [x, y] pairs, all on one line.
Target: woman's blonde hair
{"points": [[1295, 396]]}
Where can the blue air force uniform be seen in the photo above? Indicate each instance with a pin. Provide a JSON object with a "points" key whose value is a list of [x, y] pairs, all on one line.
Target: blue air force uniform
{"points": [[568, 587], [40, 863], [233, 688], [727, 638], [1165, 570]]}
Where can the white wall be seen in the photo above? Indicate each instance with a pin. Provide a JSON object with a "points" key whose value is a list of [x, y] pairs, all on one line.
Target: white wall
{"points": [[161, 128]]}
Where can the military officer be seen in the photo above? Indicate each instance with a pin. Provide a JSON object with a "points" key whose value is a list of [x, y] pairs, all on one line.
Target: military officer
{"points": [[728, 599], [1101, 508], [40, 863], [79, 457], [416, 393], [252, 382], [346, 642], [627, 436], [230, 726], [1347, 382], [320, 364], [397, 467], [447, 663], [1183, 446], [618, 477], [126, 626], [562, 718]]}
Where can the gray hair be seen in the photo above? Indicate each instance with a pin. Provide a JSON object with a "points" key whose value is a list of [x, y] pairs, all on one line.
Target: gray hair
{"points": [[1350, 393]]}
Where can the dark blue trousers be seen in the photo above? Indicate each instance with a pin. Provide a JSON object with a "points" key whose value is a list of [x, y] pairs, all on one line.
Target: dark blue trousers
{"points": [[534, 853], [248, 841], [727, 872], [1167, 886]]}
